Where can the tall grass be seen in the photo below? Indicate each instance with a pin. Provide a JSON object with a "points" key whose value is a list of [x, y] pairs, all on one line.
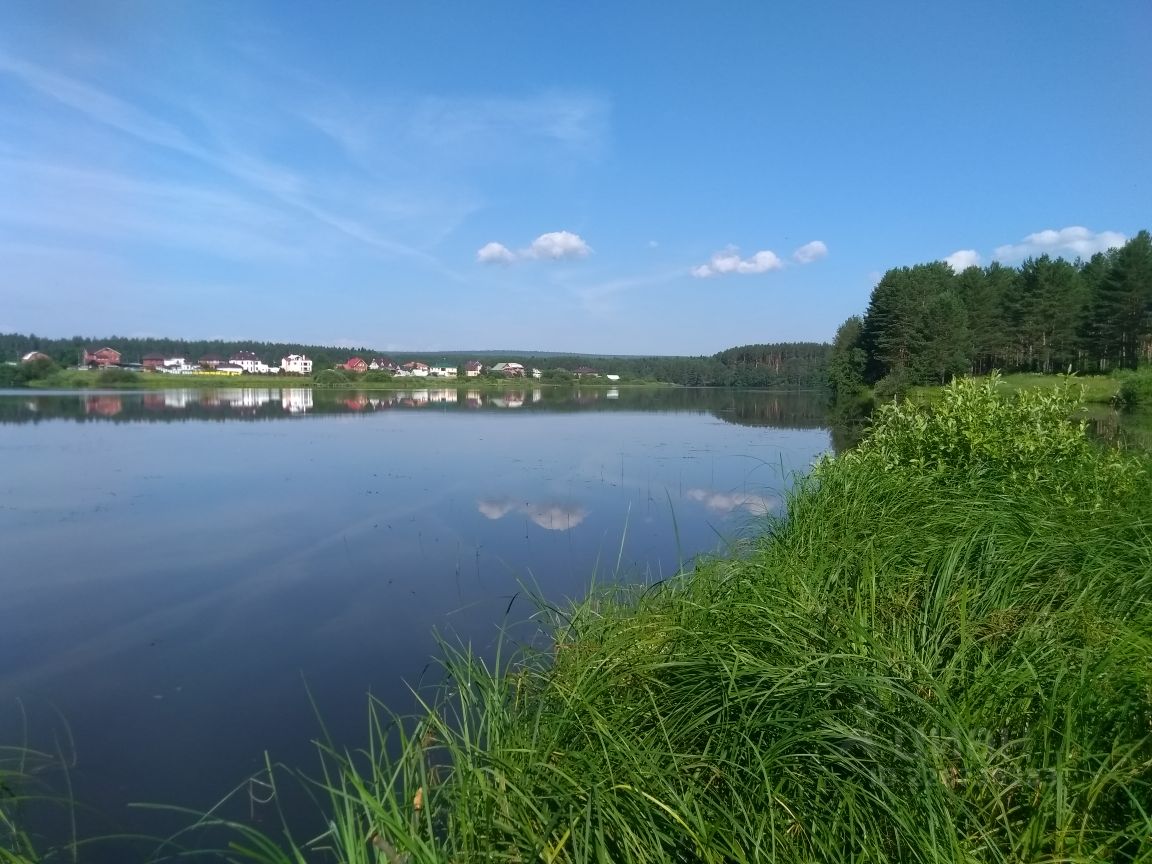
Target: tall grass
{"points": [[942, 654]]}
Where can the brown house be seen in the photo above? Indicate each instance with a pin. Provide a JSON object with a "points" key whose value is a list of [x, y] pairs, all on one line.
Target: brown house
{"points": [[356, 364], [101, 357], [210, 361], [152, 361]]}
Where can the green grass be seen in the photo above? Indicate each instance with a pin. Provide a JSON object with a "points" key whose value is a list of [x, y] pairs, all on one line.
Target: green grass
{"points": [[1097, 388], [941, 654]]}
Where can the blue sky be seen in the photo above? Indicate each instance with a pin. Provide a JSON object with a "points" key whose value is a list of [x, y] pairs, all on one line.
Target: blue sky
{"points": [[633, 177]]}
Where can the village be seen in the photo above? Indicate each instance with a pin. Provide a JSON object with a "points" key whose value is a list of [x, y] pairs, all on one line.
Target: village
{"points": [[249, 363]]}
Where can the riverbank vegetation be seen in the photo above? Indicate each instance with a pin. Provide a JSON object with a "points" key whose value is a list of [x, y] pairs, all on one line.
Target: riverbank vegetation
{"points": [[940, 654], [926, 323]]}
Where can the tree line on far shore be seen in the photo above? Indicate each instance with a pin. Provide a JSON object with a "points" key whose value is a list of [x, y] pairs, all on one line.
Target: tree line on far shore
{"points": [[926, 323], [790, 365]]}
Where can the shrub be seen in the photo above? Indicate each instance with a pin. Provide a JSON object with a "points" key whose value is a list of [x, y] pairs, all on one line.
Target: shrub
{"points": [[116, 377], [1135, 390], [1034, 439], [330, 378], [892, 387]]}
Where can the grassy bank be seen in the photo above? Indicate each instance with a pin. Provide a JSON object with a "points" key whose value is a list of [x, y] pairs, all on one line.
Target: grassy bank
{"points": [[1123, 389], [940, 655]]}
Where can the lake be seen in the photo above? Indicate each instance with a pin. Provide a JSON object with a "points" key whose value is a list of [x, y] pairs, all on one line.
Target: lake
{"points": [[185, 572]]}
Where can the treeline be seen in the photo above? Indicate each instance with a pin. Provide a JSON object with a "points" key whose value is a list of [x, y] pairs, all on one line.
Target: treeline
{"points": [[791, 365], [788, 366], [926, 324]]}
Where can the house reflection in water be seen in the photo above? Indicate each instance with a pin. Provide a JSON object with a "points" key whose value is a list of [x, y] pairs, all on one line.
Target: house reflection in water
{"points": [[104, 406], [296, 400]]}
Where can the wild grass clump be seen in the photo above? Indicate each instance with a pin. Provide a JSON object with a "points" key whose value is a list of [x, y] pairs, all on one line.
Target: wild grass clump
{"points": [[942, 654], [1135, 390]]}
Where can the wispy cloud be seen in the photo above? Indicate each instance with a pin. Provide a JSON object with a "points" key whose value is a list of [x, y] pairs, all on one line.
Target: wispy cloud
{"points": [[597, 297], [1074, 240], [728, 260], [394, 190]]}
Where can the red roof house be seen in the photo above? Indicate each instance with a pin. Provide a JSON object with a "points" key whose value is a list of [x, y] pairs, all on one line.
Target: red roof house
{"points": [[102, 357]]}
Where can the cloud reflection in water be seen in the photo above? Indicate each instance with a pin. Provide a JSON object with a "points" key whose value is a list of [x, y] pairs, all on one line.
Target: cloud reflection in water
{"points": [[551, 515]]}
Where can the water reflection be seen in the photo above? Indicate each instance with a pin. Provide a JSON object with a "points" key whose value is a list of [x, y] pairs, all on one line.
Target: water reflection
{"points": [[727, 502], [180, 588], [551, 516], [751, 408]]}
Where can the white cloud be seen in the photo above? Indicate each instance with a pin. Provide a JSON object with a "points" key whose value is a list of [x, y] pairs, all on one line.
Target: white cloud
{"points": [[1074, 240], [962, 259], [556, 245], [553, 246], [495, 253], [810, 252], [728, 260]]}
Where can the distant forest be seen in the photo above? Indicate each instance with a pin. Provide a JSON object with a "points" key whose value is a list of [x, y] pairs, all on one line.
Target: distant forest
{"points": [[792, 365], [926, 323]]}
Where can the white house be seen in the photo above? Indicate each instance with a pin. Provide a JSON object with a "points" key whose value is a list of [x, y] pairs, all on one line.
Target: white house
{"points": [[442, 371], [297, 363], [250, 363]]}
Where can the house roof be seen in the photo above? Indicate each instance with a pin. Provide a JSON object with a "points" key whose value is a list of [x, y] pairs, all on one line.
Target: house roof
{"points": [[473, 365], [244, 355], [98, 350], [154, 357]]}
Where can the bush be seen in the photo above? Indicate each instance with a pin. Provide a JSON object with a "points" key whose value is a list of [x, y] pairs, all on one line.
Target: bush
{"points": [[330, 378], [116, 377], [1135, 390], [1034, 439], [892, 387]]}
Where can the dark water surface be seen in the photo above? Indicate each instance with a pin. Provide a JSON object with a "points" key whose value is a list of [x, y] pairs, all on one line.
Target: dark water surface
{"points": [[179, 569]]}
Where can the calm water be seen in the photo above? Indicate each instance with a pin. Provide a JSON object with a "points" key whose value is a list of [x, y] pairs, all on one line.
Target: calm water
{"points": [[180, 568]]}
